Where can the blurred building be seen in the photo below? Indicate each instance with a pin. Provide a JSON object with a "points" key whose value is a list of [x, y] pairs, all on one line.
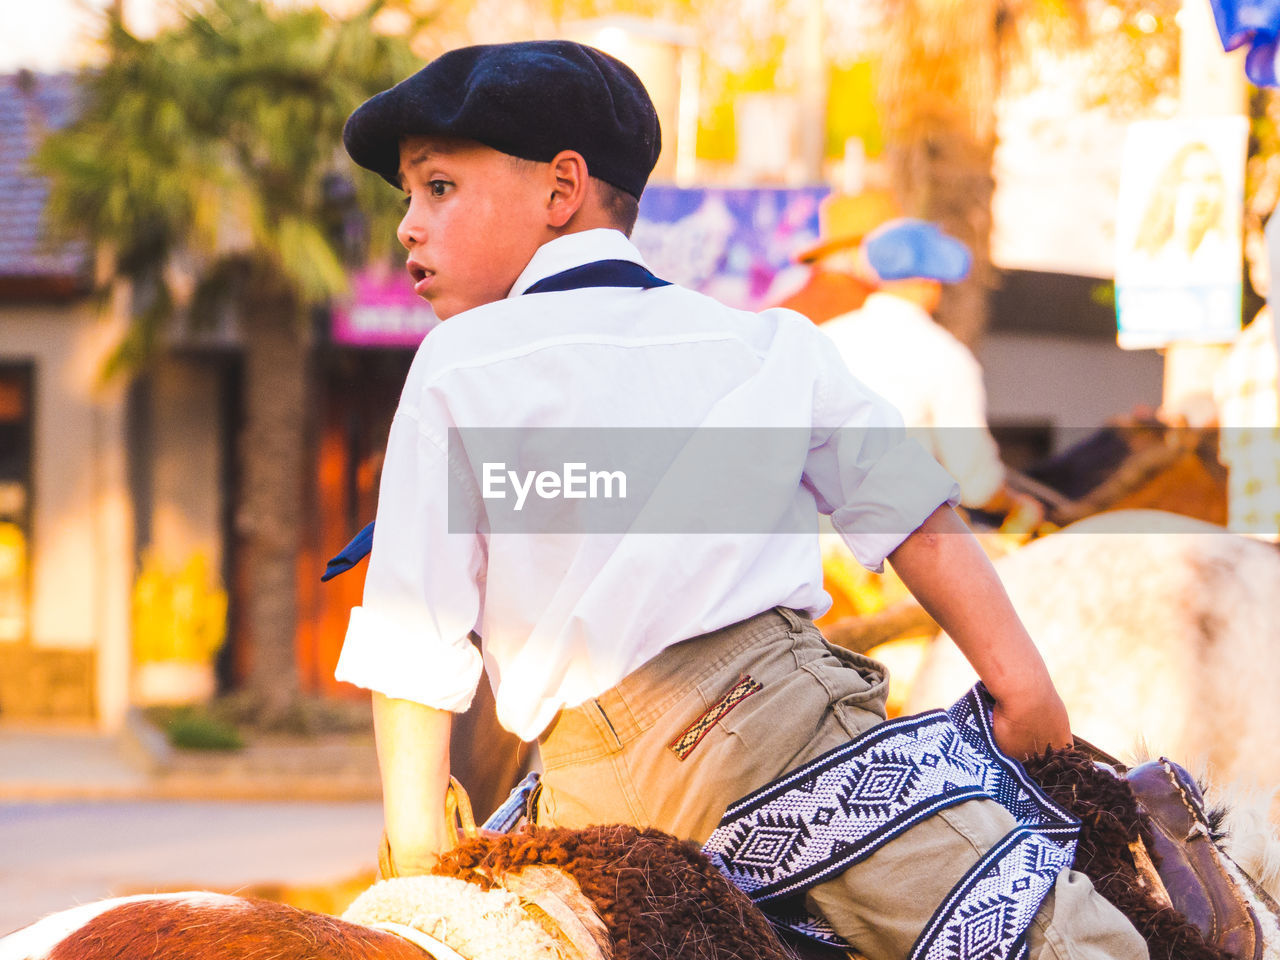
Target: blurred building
{"points": [[92, 471], [66, 530], [101, 480]]}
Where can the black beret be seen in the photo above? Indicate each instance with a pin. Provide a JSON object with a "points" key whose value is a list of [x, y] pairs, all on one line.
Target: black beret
{"points": [[530, 99]]}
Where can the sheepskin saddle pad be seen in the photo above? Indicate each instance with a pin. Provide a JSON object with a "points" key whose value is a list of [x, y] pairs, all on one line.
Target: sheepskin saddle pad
{"points": [[538, 914]]}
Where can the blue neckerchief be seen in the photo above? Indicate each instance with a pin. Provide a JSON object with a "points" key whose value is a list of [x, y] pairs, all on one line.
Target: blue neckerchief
{"points": [[599, 273], [351, 554]]}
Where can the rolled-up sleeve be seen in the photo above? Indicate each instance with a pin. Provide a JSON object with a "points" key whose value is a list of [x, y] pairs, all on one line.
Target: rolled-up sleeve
{"points": [[876, 483], [423, 592]]}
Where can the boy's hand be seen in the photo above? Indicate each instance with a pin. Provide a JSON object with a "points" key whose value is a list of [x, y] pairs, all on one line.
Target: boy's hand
{"points": [[423, 860], [1026, 723], [406, 862], [403, 863]]}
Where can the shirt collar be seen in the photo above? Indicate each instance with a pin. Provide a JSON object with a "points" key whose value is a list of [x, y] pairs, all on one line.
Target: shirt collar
{"points": [[573, 250]]}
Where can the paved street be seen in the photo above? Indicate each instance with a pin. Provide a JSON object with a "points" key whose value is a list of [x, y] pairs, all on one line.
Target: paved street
{"points": [[60, 854]]}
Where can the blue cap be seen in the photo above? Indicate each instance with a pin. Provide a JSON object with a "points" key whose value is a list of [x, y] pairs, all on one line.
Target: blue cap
{"points": [[530, 99], [907, 249]]}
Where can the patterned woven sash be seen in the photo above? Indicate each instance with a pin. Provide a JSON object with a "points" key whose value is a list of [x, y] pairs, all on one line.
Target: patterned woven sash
{"points": [[837, 810]]}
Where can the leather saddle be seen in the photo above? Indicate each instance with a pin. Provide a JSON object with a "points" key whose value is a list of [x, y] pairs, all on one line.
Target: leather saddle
{"points": [[1184, 867]]}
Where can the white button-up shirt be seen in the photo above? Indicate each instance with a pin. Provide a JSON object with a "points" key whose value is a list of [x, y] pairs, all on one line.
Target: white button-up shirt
{"points": [[564, 615]]}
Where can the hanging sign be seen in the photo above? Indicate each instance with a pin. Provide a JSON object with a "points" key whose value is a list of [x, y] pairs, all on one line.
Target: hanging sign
{"points": [[383, 311], [1178, 230]]}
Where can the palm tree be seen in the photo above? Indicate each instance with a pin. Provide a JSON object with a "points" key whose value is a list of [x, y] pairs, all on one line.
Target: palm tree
{"points": [[206, 167]]}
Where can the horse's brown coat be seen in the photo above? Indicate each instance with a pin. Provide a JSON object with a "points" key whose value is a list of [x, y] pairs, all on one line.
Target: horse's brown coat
{"points": [[243, 930]]}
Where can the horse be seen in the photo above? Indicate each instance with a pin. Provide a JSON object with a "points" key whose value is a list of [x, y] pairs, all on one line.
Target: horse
{"points": [[1157, 629]]}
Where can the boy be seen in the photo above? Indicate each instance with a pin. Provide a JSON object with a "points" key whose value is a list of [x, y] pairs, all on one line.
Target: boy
{"points": [[664, 675]]}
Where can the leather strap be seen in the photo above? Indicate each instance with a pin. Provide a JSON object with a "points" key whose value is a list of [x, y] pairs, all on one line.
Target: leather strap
{"points": [[1191, 874], [1098, 755]]}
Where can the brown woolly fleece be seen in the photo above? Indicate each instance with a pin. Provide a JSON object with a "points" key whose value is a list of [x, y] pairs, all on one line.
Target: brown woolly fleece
{"points": [[659, 897], [1110, 821]]}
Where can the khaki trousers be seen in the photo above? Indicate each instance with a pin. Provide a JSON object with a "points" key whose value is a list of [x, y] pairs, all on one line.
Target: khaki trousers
{"points": [[610, 761]]}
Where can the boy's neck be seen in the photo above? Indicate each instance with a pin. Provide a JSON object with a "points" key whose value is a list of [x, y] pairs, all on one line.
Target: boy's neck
{"points": [[554, 256], [585, 219]]}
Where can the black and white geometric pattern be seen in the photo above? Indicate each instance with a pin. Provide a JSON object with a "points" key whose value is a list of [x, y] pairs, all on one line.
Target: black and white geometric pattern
{"points": [[986, 915], [836, 810], [843, 806], [1004, 779]]}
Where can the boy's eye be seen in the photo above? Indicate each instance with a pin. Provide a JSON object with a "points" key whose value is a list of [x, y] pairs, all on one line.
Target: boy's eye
{"points": [[434, 188]]}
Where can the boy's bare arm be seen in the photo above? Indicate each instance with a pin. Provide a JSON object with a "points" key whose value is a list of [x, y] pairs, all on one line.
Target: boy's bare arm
{"points": [[943, 565], [413, 756]]}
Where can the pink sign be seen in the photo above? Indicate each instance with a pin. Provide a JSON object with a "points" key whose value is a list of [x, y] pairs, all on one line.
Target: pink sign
{"points": [[383, 312]]}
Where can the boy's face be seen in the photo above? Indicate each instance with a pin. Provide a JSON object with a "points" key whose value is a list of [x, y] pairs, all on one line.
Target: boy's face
{"points": [[475, 217]]}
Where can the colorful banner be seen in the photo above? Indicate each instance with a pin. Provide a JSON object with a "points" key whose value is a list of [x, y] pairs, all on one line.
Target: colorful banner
{"points": [[732, 244], [1178, 230]]}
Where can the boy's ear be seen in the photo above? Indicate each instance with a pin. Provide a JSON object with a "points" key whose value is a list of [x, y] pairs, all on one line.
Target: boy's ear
{"points": [[569, 183]]}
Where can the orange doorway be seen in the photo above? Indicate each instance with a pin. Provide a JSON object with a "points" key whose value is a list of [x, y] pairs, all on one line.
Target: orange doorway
{"points": [[358, 394]]}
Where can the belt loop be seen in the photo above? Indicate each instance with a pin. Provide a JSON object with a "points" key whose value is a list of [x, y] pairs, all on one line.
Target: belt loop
{"points": [[795, 626]]}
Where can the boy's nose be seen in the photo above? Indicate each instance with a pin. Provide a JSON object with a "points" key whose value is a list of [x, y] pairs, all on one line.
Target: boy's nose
{"points": [[409, 233]]}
